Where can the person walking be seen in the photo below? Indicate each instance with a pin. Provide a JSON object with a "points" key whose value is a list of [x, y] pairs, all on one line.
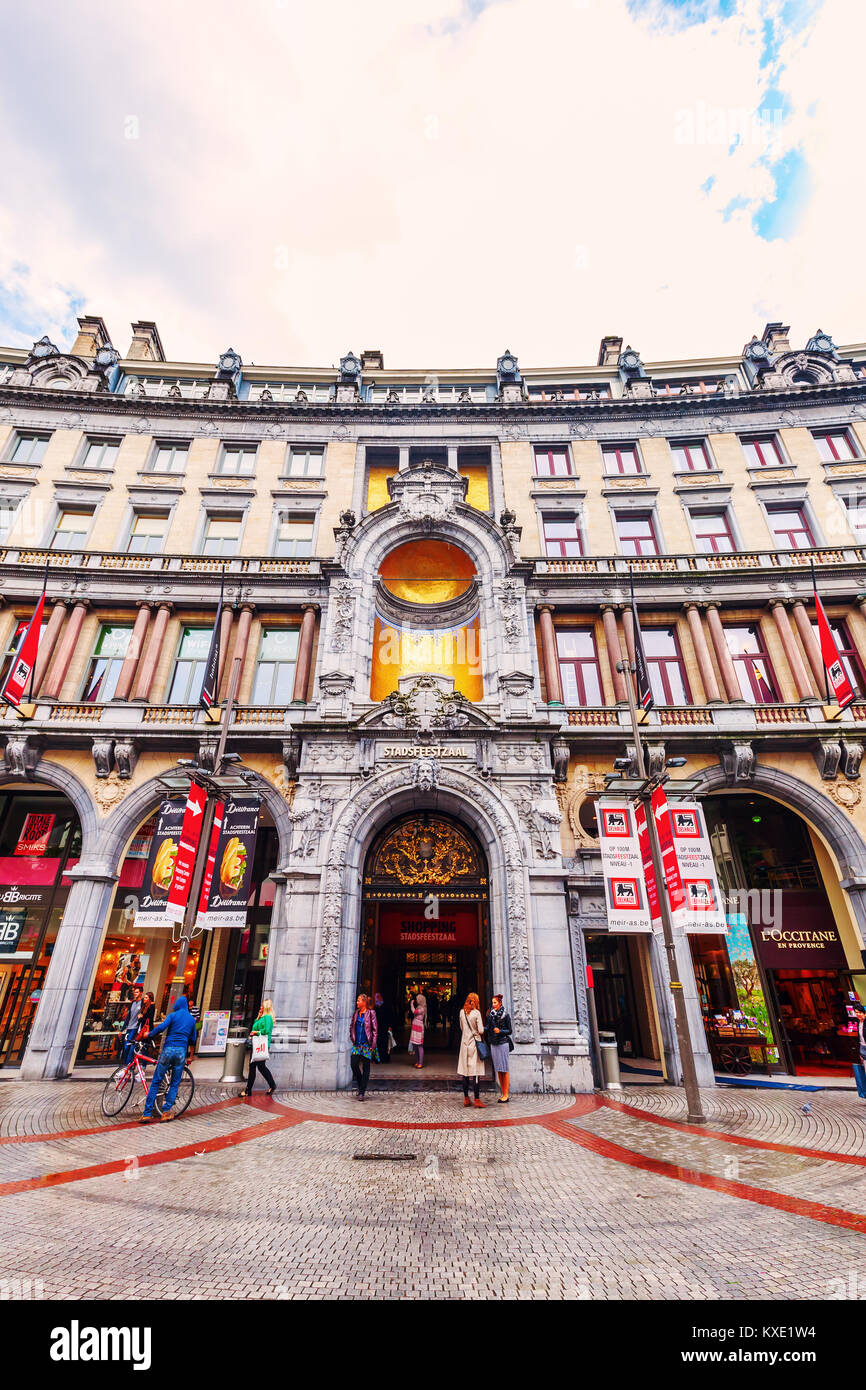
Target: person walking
{"points": [[498, 1028], [363, 1034], [264, 1025], [132, 1025], [860, 1067], [180, 1033], [419, 1020], [470, 1063], [383, 1027]]}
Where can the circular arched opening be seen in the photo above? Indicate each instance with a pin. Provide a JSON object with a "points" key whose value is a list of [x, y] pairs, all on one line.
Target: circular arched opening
{"points": [[425, 571]]}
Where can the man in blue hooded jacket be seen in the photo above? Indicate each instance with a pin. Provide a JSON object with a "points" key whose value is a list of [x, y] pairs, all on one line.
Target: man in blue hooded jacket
{"points": [[180, 1031]]}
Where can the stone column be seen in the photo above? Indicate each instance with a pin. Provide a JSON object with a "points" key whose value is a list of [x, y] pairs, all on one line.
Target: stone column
{"points": [[549, 655], [48, 642], [723, 655], [147, 668], [810, 645], [243, 634], [133, 653], [712, 694], [305, 655], [614, 653], [65, 649], [628, 629], [795, 661], [226, 621], [69, 981]]}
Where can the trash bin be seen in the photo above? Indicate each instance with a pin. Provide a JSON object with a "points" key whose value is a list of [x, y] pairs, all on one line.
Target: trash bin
{"points": [[609, 1061], [233, 1066]]}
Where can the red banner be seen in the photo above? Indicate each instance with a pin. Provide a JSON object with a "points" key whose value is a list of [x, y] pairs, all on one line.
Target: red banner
{"points": [[836, 673], [649, 872], [24, 659], [670, 867], [190, 833], [211, 860]]}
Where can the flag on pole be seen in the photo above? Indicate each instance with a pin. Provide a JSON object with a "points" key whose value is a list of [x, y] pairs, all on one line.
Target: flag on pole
{"points": [[24, 661], [835, 675], [210, 680], [764, 688], [644, 689]]}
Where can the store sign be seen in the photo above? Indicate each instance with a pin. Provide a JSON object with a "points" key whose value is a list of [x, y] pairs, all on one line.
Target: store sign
{"points": [[232, 871], [455, 926], [696, 884], [649, 872], [807, 938], [625, 889], [11, 927], [190, 833], [35, 833], [159, 869]]}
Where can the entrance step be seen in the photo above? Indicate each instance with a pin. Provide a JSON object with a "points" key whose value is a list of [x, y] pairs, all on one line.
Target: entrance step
{"points": [[432, 1083]]}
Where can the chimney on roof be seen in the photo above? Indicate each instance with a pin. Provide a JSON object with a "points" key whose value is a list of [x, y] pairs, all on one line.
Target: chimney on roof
{"points": [[372, 360], [146, 345], [609, 351], [775, 335], [92, 335]]}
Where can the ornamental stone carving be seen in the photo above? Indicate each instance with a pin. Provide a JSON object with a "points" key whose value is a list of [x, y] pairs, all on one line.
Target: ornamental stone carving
{"points": [[125, 757], [852, 756], [516, 927], [426, 774], [738, 763], [103, 748], [342, 614], [511, 611], [21, 755], [109, 793], [827, 757], [307, 826]]}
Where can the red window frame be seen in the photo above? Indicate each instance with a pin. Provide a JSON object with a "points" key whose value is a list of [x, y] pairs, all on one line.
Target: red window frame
{"points": [[618, 453], [557, 545], [698, 518], [687, 447], [828, 439], [637, 541], [804, 529], [664, 692], [574, 665], [763, 444], [545, 453], [749, 660]]}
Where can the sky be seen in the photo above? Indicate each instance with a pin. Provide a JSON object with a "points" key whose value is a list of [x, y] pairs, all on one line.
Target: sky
{"points": [[439, 179]]}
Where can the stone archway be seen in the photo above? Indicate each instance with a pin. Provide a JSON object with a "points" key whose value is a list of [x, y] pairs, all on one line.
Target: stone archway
{"points": [[497, 828], [55, 775]]}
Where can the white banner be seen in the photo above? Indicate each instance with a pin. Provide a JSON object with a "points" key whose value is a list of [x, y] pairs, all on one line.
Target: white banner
{"points": [[625, 892], [704, 909]]}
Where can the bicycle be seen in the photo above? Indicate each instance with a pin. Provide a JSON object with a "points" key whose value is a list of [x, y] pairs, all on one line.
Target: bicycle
{"points": [[121, 1084]]}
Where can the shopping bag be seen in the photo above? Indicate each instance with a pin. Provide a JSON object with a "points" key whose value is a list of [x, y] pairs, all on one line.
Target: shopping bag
{"points": [[260, 1047], [392, 1041]]}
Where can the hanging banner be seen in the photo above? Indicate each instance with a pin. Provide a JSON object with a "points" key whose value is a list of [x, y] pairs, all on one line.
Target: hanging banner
{"points": [[702, 908], [35, 833], [207, 879], [159, 869], [837, 676], [625, 890], [184, 863], [649, 872], [232, 874], [24, 659]]}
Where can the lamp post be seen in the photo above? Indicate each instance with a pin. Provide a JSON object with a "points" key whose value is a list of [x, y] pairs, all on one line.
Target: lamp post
{"points": [[643, 793]]}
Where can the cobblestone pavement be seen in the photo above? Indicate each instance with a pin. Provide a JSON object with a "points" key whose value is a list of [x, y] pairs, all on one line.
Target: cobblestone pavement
{"points": [[271, 1199]]}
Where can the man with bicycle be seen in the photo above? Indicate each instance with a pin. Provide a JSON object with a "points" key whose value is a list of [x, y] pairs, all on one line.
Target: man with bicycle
{"points": [[180, 1033]]}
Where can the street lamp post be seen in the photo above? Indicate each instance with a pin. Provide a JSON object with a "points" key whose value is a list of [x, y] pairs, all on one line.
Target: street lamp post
{"points": [[694, 1105]]}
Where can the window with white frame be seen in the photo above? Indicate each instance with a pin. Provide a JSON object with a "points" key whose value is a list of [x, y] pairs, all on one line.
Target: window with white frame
{"points": [[147, 533], [169, 456], [222, 533], [294, 534], [100, 453], [274, 679], [238, 460], [71, 529], [27, 447], [305, 463], [690, 455], [837, 445]]}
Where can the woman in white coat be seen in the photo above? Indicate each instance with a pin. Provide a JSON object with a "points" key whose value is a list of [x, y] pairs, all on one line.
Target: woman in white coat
{"points": [[470, 1063]]}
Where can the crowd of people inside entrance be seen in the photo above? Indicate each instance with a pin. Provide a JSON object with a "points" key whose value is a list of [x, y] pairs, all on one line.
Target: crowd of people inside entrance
{"points": [[371, 1037]]}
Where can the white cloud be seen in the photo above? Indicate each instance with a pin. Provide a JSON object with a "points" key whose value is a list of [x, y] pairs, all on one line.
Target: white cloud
{"points": [[307, 178]]}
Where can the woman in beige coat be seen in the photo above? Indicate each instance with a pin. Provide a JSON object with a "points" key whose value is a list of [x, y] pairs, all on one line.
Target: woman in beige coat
{"points": [[470, 1063]]}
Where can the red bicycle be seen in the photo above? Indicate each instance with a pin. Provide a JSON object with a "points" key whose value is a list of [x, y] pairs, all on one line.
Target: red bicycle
{"points": [[121, 1084]]}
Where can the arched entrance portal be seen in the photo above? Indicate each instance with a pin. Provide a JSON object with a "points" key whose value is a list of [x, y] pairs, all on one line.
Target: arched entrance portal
{"points": [[425, 924]]}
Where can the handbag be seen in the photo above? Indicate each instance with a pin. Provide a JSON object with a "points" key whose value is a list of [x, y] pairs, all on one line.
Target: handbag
{"points": [[260, 1047], [392, 1041], [482, 1048]]}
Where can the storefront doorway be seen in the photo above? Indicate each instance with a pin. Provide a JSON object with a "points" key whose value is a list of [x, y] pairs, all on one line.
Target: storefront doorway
{"points": [[425, 927]]}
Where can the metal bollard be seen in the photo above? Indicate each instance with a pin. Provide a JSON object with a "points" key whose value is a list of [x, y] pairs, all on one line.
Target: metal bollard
{"points": [[609, 1061], [233, 1066]]}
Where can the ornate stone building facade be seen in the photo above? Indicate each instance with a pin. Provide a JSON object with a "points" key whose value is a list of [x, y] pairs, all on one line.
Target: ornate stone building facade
{"points": [[426, 579]]}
